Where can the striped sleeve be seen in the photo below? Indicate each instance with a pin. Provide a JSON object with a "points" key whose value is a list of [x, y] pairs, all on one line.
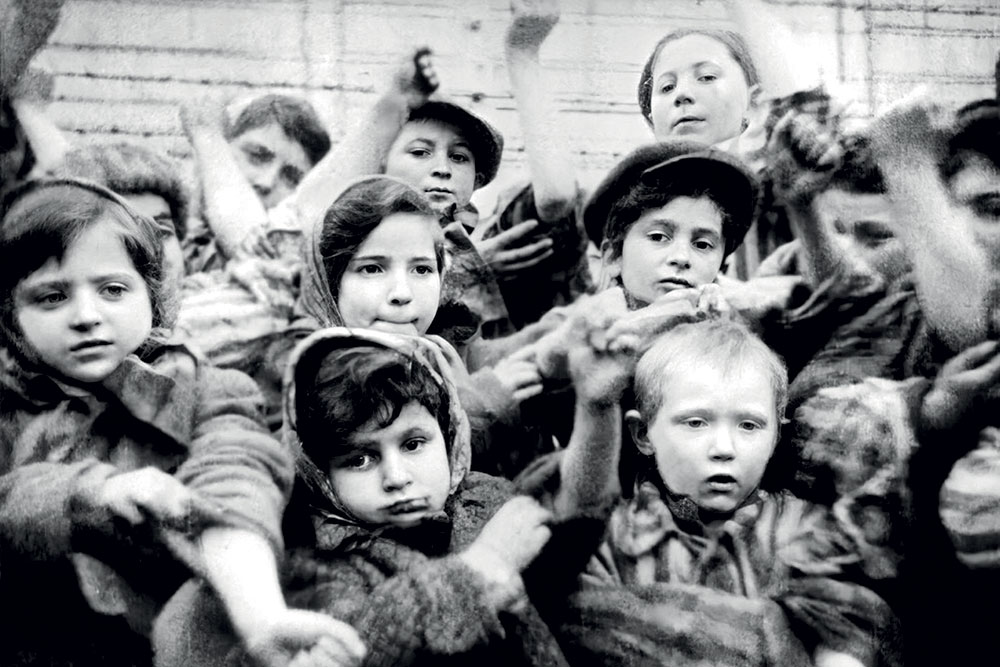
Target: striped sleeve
{"points": [[970, 504]]}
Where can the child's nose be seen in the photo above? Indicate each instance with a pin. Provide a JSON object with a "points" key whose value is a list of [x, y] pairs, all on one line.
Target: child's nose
{"points": [[682, 92], [442, 166], [722, 448], [395, 474], [679, 255], [400, 294], [86, 313], [266, 179]]}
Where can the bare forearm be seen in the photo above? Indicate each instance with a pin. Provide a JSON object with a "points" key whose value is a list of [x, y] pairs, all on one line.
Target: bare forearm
{"points": [[820, 256], [589, 466], [552, 173], [232, 208], [242, 570], [770, 41], [362, 151]]}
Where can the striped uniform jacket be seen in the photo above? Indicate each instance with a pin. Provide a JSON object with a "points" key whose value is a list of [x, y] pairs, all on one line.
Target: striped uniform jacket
{"points": [[768, 587], [924, 506]]}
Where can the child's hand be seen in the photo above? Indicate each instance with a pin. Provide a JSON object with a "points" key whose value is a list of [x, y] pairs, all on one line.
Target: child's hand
{"points": [[638, 329], [507, 544], [507, 253], [149, 491], [299, 637], [416, 79], [201, 113], [758, 298], [532, 22], [803, 154], [967, 377], [585, 319], [519, 374]]}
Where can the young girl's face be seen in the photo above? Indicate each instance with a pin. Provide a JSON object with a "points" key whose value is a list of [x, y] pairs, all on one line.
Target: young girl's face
{"points": [[393, 283], [397, 475], [82, 316], [713, 434], [434, 157], [671, 247], [699, 91]]}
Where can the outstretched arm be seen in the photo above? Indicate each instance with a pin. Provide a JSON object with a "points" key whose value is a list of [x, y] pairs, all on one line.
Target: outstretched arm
{"points": [[552, 174]]}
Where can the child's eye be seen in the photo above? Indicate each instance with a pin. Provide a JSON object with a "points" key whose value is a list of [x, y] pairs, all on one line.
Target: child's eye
{"points": [[707, 77], [50, 299], [986, 205], [461, 158], [413, 445], [291, 176], [666, 88], [695, 422], [658, 237], [258, 155], [370, 269], [115, 291], [359, 461], [425, 270], [419, 152], [702, 244], [750, 426]]}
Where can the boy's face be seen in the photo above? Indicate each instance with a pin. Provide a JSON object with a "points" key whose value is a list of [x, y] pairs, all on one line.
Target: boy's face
{"points": [[157, 208], [271, 161], [85, 314], [434, 157], [862, 224], [392, 283], [699, 91], [674, 246], [712, 435], [397, 475]]}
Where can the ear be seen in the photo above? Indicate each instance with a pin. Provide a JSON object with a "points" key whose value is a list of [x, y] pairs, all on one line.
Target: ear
{"points": [[640, 435], [754, 95], [612, 265]]}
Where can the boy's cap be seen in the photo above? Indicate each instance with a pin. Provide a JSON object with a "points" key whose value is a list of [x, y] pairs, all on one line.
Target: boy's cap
{"points": [[731, 183], [485, 141]]}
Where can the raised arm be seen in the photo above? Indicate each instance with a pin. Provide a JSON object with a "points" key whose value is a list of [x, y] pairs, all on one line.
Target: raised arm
{"points": [[552, 173]]}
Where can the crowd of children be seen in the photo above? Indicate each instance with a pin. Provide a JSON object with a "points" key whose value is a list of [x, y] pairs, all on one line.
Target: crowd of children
{"points": [[735, 406]]}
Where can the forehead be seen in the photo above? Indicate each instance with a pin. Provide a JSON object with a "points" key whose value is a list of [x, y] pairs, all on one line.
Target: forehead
{"points": [[686, 213], [403, 233], [701, 383], [411, 416], [431, 130], [273, 136], [687, 51], [98, 250]]}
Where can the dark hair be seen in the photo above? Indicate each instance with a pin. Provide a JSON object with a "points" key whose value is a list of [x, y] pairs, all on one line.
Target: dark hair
{"points": [[131, 169], [976, 132], [733, 41], [42, 219], [858, 170], [357, 212], [296, 117], [352, 386], [627, 210]]}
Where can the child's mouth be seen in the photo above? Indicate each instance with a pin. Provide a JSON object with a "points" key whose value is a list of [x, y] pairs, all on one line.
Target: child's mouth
{"points": [[407, 506], [722, 483], [89, 345]]}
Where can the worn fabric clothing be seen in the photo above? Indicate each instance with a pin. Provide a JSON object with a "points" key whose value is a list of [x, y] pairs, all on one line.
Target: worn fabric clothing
{"points": [[922, 504], [557, 281], [201, 425], [768, 586]]}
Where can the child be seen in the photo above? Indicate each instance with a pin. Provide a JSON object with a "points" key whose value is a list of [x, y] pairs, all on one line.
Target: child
{"points": [[400, 540], [112, 468], [702, 565], [149, 182], [247, 168]]}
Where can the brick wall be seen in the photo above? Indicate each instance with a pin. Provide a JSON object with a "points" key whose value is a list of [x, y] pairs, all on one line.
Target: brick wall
{"points": [[122, 66]]}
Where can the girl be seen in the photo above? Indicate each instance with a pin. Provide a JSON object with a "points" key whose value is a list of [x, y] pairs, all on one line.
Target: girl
{"points": [[113, 466]]}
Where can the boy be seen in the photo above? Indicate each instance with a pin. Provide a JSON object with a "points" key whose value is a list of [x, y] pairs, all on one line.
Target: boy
{"points": [[247, 168], [702, 564]]}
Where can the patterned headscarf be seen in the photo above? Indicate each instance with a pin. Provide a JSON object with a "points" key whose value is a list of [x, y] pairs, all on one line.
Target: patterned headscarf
{"points": [[427, 351]]}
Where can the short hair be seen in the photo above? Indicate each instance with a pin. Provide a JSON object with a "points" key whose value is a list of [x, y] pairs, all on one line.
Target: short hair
{"points": [[722, 343], [733, 42], [353, 386], [42, 219], [131, 169], [858, 171], [294, 115], [357, 212], [628, 209]]}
